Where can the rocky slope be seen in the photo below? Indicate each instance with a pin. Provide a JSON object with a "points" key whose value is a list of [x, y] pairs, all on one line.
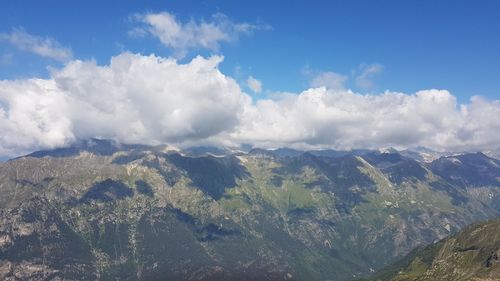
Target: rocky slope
{"points": [[471, 255], [105, 211]]}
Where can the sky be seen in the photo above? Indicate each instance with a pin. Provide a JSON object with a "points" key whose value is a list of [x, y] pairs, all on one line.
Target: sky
{"points": [[305, 74]]}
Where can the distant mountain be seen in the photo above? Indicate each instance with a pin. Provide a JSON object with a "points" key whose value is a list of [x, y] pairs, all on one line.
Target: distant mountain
{"points": [[101, 210], [98, 147], [471, 254], [493, 153], [424, 154], [198, 151], [468, 170]]}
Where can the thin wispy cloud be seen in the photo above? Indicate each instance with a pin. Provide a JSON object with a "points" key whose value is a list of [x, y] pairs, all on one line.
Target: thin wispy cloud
{"points": [[42, 46], [254, 84], [330, 80], [182, 37], [362, 77], [365, 74]]}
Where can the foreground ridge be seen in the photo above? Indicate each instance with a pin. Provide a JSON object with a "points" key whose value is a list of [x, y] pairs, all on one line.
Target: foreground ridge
{"points": [[471, 254]]}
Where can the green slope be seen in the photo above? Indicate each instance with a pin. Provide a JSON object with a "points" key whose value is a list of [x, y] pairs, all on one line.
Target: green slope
{"points": [[471, 254], [139, 213]]}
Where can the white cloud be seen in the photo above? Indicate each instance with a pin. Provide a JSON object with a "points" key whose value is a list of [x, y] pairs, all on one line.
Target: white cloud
{"points": [[33, 114], [149, 99], [365, 78], [320, 117], [254, 84], [182, 37], [143, 99], [330, 80], [44, 47]]}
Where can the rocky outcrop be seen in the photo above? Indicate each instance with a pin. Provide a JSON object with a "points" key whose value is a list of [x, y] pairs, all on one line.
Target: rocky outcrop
{"points": [[36, 244]]}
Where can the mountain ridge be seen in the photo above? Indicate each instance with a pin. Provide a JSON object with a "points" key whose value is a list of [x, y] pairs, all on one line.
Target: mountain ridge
{"points": [[471, 254], [287, 215], [421, 154]]}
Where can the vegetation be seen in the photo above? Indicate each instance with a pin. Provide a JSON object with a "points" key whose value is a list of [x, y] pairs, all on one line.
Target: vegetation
{"points": [[138, 213]]}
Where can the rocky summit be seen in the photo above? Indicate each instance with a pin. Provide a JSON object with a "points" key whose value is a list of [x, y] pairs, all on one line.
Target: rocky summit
{"points": [[100, 210]]}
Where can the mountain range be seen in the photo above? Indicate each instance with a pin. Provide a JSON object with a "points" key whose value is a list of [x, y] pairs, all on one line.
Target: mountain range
{"points": [[100, 210]]}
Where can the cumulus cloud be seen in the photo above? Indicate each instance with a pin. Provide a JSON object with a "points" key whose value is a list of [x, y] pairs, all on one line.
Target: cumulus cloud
{"points": [[141, 99], [150, 99], [182, 37], [364, 79], [32, 115], [254, 84], [44, 47], [320, 117]]}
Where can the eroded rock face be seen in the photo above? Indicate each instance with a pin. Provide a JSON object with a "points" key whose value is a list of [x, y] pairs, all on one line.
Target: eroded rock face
{"points": [[161, 243], [36, 244]]}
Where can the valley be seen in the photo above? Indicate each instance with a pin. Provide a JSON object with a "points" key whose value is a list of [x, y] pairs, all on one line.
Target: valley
{"points": [[100, 210]]}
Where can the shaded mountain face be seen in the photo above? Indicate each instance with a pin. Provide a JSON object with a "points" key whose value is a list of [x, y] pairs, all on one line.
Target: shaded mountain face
{"points": [[397, 168], [211, 174], [468, 170], [106, 211], [471, 254]]}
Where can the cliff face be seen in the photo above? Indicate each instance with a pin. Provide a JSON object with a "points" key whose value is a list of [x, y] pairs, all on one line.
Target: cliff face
{"points": [[106, 211]]}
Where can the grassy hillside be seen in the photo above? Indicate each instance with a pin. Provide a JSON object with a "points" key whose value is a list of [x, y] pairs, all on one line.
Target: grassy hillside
{"points": [[472, 254]]}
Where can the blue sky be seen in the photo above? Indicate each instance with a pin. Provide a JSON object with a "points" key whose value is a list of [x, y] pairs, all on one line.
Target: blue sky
{"points": [[451, 45], [300, 74]]}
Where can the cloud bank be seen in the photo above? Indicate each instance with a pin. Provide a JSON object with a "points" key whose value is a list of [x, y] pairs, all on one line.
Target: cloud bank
{"points": [[44, 47], [150, 99]]}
